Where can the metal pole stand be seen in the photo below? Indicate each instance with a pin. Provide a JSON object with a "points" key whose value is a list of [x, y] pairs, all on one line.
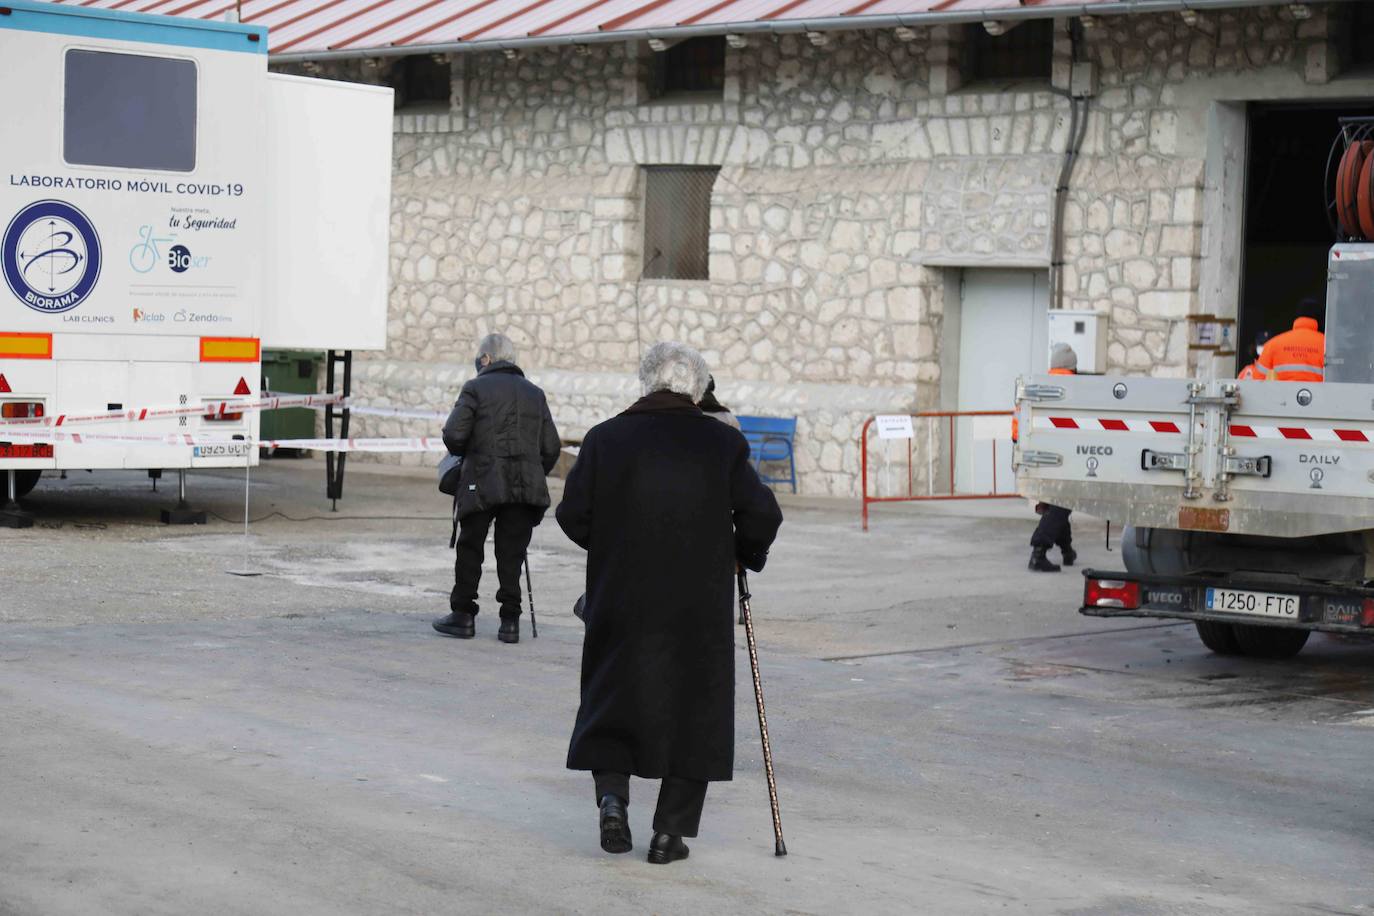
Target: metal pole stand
{"points": [[12, 515], [183, 514], [334, 463]]}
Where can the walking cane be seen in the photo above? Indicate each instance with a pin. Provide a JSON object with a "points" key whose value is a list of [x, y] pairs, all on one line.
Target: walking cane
{"points": [[529, 590], [779, 847]]}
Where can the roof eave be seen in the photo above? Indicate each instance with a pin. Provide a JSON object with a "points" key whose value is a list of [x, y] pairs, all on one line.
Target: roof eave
{"points": [[828, 24]]}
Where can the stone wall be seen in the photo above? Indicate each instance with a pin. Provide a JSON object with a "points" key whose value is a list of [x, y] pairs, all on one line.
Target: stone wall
{"points": [[852, 177]]}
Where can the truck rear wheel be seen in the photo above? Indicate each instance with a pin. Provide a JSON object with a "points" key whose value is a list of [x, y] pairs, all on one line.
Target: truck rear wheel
{"points": [[1269, 642], [1219, 637]]}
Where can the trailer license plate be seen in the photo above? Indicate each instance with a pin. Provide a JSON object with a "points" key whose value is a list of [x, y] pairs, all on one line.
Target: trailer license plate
{"points": [[227, 450], [1259, 604]]}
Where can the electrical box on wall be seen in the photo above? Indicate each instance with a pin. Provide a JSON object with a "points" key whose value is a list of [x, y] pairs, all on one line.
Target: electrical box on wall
{"points": [[1086, 332]]}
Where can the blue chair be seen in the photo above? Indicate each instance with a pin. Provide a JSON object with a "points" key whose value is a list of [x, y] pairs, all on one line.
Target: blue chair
{"points": [[770, 439]]}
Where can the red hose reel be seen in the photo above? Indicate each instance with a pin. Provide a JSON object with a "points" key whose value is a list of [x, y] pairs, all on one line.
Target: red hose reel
{"points": [[1350, 202]]}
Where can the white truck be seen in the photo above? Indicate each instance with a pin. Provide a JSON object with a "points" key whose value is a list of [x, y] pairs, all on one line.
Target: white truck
{"points": [[170, 208], [1249, 504]]}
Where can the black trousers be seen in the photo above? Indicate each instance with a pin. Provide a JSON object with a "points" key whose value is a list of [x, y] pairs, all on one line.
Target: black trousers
{"points": [[514, 525], [1054, 529], [679, 800]]}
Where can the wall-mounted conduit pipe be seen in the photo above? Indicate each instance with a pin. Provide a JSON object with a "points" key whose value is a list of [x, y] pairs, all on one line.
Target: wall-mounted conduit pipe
{"points": [[1078, 130]]}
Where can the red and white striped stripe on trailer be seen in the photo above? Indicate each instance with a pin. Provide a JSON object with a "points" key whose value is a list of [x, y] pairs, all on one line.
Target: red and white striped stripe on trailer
{"points": [[1238, 430]]}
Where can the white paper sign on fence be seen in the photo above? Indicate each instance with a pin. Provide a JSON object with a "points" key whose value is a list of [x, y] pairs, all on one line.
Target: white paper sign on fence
{"points": [[992, 427], [894, 426]]}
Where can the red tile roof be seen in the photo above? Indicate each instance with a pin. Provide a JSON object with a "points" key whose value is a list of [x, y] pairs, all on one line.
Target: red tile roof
{"points": [[322, 28]]}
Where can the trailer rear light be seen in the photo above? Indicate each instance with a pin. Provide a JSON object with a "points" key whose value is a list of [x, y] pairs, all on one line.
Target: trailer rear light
{"points": [[1116, 593], [217, 414], [21, 410], [1367, 616]]}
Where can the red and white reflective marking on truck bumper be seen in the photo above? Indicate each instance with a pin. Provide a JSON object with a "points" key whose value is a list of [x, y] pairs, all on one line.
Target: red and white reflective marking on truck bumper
{"points": [[1238, 430], [1306, 433], [1113, 425]]}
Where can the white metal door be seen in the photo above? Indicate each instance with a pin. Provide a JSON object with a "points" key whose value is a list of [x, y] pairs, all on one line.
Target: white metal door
{"points": [[1003, 329], [329, 178]]}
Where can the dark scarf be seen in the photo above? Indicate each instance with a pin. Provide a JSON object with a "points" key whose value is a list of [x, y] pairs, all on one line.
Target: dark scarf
{"points": [[664, 402], [709, 404]]}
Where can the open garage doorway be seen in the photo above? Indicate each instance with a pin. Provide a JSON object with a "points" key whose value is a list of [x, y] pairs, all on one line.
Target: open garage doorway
{"points": [[1287, 235]]}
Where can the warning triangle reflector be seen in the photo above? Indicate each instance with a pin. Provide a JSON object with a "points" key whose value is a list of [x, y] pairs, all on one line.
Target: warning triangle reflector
{"points": [[4, 385], [242, 387]]}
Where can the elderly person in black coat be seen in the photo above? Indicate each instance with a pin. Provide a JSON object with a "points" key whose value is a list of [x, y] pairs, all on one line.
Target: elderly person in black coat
{"points": [[502, 427], [665, 502]]}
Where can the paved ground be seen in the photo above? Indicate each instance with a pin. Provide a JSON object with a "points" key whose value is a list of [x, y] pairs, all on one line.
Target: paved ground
{"points": [[951, 736]]}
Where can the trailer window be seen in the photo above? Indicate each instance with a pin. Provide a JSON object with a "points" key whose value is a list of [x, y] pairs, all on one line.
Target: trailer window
{"points": [[129, 111]]}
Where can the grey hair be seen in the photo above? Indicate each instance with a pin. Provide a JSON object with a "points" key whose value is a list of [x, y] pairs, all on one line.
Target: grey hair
{"points": [[498, 347], [671, 366]]}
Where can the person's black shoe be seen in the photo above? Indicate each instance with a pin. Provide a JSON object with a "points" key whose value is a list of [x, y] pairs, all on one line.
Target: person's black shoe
{"points": [[459, 624], [510, 629], [1041, 563], [667, 848], [615, 825], [1069, 554]]}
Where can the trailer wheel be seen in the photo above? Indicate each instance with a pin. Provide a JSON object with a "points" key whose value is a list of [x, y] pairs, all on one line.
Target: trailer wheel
{"points": [[1269, 642], [24, 482], [1219, 637]]}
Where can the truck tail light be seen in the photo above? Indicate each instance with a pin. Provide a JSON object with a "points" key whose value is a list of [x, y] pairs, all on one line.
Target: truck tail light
{"points": [[219, 412], [1116, 593], [21, 410]]}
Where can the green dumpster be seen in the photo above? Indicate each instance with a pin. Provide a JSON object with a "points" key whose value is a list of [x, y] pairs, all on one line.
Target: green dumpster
{"points": [[290, 372]]}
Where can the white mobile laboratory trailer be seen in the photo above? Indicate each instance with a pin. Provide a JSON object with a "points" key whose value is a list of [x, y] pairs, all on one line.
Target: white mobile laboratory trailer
{"points": [[170, 208]]}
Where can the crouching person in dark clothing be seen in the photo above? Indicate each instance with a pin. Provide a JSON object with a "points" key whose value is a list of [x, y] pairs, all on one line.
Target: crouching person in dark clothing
{"points": [[665, 502], [1054, 530], [502, 427]]}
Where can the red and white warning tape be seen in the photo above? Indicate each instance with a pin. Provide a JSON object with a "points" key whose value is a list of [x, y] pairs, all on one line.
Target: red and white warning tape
{"points": [[402, 413], [205, 409], [56, 437], [222, 408]]}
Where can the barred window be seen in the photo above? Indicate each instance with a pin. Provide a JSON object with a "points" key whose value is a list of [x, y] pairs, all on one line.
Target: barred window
{"points": [[422, 80], [692, 67], [677, 221], [1025, 52]]}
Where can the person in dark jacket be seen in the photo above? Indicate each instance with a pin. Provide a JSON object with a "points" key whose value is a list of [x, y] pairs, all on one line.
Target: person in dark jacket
{"points": [[665, 502], [502, 427]]}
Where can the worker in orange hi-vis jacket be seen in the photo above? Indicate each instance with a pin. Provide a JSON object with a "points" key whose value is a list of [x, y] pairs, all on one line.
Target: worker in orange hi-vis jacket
{"points": [[1298, 355], [1253, 370]]}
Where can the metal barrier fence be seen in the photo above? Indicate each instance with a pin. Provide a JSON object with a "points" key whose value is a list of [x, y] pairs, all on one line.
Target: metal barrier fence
{"points": [[938, 462]]}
